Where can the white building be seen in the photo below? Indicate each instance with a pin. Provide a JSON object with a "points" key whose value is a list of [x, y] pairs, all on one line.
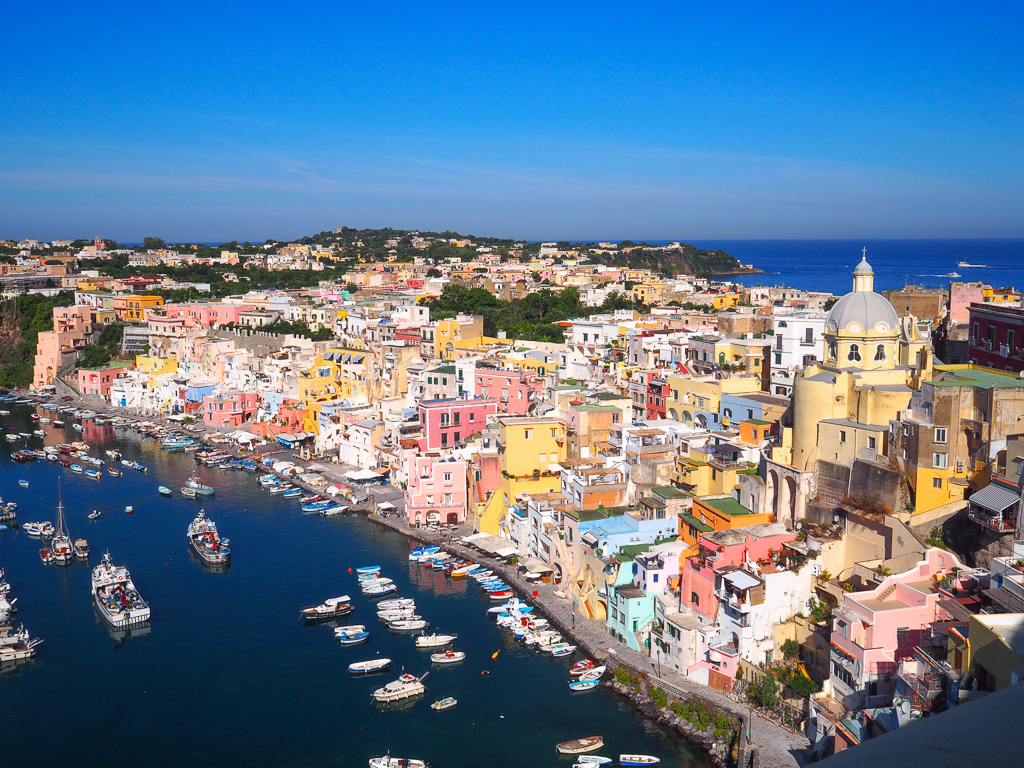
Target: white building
{"points": [[798, 340]]}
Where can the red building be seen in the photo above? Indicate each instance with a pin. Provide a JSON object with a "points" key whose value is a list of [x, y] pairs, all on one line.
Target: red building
{"points": [[518, 389], [96, 381], [230, 409], [997, 337], [657, 395]]}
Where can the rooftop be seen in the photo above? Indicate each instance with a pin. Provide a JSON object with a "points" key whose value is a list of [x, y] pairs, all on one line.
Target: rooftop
{"points": [[727, 505], [973, 376]]}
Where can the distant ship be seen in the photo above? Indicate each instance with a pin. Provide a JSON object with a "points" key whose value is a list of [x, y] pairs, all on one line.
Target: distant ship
{"points": [[968, 265], [116, 596], [207, 543]]}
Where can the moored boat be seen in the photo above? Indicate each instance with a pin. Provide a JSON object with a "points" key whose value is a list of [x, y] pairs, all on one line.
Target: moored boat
{"points": [[44, 529], [114, 472], [405, 687], [351, 635], [638, 760], [435, 640], [116, 595], [81, 549], [407, 625], [395, 762], [206, 541], [448, 657], [446, 703], [164, 491], [95, 474], [369, 667], [579, 746], [331, 608], [583, 685]]}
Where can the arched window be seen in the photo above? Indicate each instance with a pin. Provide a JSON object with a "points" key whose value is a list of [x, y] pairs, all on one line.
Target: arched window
{"points": [[880, 352], [695, 599], [832, 350], [854, 354]]}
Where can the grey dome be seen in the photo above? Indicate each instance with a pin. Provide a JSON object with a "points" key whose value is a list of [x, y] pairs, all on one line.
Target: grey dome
{"points": [[864, 268], [866, 308]]}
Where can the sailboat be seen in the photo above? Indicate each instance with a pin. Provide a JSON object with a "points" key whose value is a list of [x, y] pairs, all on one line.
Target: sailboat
{"points": [[60, 545]]}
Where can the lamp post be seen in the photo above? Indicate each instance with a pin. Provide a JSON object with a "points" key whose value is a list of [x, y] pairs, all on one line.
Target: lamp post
{"points": [[659, 661]]}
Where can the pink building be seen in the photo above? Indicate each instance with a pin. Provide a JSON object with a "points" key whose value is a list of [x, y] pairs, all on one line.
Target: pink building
{"points": [[873, 630], [449, 421], [516, 390], [207, 314], [437, 490], [96, 381], [54, 349], [230, 409]]}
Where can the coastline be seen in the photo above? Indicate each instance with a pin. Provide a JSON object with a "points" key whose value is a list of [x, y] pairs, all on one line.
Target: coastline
{"points": [[774, 746]]}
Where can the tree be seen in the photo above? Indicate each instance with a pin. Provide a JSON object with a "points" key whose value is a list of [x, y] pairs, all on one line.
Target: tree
{"points": [[790, 650], [153, 243], [352, 288], [763, 692], [433, 272]]}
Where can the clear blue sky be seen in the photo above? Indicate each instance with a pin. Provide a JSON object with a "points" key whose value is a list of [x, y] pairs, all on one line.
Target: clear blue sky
{"points": [[214, 121]]}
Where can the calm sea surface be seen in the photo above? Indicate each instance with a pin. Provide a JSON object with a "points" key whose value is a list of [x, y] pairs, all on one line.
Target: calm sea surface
{"points": [[827, 265], [227, 675]]}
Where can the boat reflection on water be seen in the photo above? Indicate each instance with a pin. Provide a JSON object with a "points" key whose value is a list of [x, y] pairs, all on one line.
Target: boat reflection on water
{"points": [[208, 566], [121, 634], [397, 706]]}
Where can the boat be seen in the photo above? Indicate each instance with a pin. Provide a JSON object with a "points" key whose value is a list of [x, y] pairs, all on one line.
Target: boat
{"points": [[580, 667], [202, 533], [953, 274], [164, 491], [331, 608], [12, 437], [77, 468], [46, 555], [76, 427], [368, 569], [279, 488], [502, 594], [116, 596], [369, 667], [380, 589], [292, 493], [579, 746], [113, 454], [23, 483], [63, 552], [189, 493], [407, 625], [583, 685], [129, 510], [446, 703], [395, 762], [351, 635], [593, 674], [397, 602], [114, 472], [128, 463], [94, 515], [968, 265], [19, 651], [38, 529], [448, 657], [435, 640], [638, 760], [95, 474], [44, 420], [81, 549], [405, 687], [139, 467], [39, 432], [461, 573], [197, 485], [562, 650], [586, 761]]}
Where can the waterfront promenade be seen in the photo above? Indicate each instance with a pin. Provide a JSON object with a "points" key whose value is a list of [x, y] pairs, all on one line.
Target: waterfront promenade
{"points": [[775, 746]]}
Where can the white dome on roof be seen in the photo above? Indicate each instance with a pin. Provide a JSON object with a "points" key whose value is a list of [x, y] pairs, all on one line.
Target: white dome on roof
{"points": [[860, 311]]}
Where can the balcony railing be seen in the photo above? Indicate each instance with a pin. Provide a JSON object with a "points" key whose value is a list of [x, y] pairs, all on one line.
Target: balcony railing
{"points": [[992, 522]]}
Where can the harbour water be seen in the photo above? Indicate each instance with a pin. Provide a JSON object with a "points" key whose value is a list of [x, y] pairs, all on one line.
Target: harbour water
{"points": [[226, 674]]}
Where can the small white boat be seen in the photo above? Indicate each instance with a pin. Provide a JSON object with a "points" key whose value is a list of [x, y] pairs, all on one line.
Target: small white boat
{"points": [[587, 761], [583, 685], [38, 529], [368, 667], [397, 614], [446, 703], [448, 657], [563, 650], [395, 762], [407, 625], [94, 515], [398, 602], [435, 640], [23, 483], [638, 760], [380, 589], [593, 674], [351, 635], [579, 746], [351, 629]]}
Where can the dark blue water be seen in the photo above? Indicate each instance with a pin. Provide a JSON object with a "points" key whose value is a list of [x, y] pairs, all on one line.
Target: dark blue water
{"points": [[227, 675], [827, 265]]}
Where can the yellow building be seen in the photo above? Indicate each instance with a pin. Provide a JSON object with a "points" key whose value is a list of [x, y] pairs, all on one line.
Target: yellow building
{"points": [[649, 293], [698, 400], [529, 451], [335, 374], [132, 308], [993, 650], [725, 300], [155, 365]]}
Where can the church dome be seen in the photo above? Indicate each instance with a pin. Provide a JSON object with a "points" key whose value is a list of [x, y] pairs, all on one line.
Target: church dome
{"points": [[862, 309]]}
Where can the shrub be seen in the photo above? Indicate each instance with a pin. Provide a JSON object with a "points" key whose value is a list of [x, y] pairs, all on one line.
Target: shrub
{"points": [[764, 692], [790, 650], [658, 696], [802, 686]]}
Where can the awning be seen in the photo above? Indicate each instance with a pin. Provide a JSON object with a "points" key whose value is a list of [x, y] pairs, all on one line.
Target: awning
{"points": [[533, 565], [994, 498], [702, 527], [243, 437], [385, 505], [362, 474]]}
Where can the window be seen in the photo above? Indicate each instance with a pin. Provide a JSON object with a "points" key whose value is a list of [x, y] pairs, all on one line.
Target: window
{"points": [[936, 482], [1009, 340], [844, 629], [940, 435], [939, 460], [872, 443], [842, 436], [447, 477], [977, 334], [554, 432], [694, 599], [448, 499], [854, 354], [457, 436], [808, 336], [832, 350], [778, 359], [727, 413], [527, 434], [472, 417], [880, 353]]}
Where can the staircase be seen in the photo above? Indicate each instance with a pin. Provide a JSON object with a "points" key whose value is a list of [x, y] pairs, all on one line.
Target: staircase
{"points": [[563, 552], [885, 593]]}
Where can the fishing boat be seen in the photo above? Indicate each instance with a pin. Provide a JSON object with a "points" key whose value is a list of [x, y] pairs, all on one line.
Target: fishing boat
{"points": [[351, 635], [968, 265], [114, 472], [77, 468], [94, 515], [23, 483], [63, 552], [561, 649], [579, 746], [164, 491], [38, 529], [129, 510], [405, 687], [435, 640], [189, 493], [46, 555], [593, 674], [395, 762], [583, 685], [197, 485], [369, 667], [331, 608], [95, 474], [292, 493], [448, 657], [397, 602], [446, 703], [407, 625], [638, 760], [81, 549], [202, 533], [580, 667], [116, 596], [587, 761]]}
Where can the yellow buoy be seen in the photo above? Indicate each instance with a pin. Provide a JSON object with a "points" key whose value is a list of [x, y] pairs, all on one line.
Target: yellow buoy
{"points": [[495, 654]]}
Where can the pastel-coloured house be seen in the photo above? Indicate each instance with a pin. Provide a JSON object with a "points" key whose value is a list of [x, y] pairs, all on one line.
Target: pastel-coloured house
{"points": [[230, 409], [207, 314], [436, 491], [517, 390], [450, 421], [96, 381]]}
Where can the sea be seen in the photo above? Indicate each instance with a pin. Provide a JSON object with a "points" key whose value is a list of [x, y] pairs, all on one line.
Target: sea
{"points": [[226, 674], [827, 265]]}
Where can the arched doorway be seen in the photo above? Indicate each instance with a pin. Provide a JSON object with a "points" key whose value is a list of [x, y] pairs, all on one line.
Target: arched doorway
{"points": [[433, 516], [790, 496], [772, 491]]}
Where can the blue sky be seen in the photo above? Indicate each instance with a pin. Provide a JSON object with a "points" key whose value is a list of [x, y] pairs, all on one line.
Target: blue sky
{"points": [[214, 121]]}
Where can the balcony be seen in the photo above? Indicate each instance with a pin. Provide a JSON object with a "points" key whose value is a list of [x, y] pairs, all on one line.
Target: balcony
{"points": [[992, 522]]}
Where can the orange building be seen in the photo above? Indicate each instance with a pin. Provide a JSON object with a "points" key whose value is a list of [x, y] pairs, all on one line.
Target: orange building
{"points": [[131, 308], [716, 513]]}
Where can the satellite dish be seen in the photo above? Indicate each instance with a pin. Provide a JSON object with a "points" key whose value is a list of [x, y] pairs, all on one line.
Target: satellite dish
{"points": [[905, 707], [799, 526]]}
